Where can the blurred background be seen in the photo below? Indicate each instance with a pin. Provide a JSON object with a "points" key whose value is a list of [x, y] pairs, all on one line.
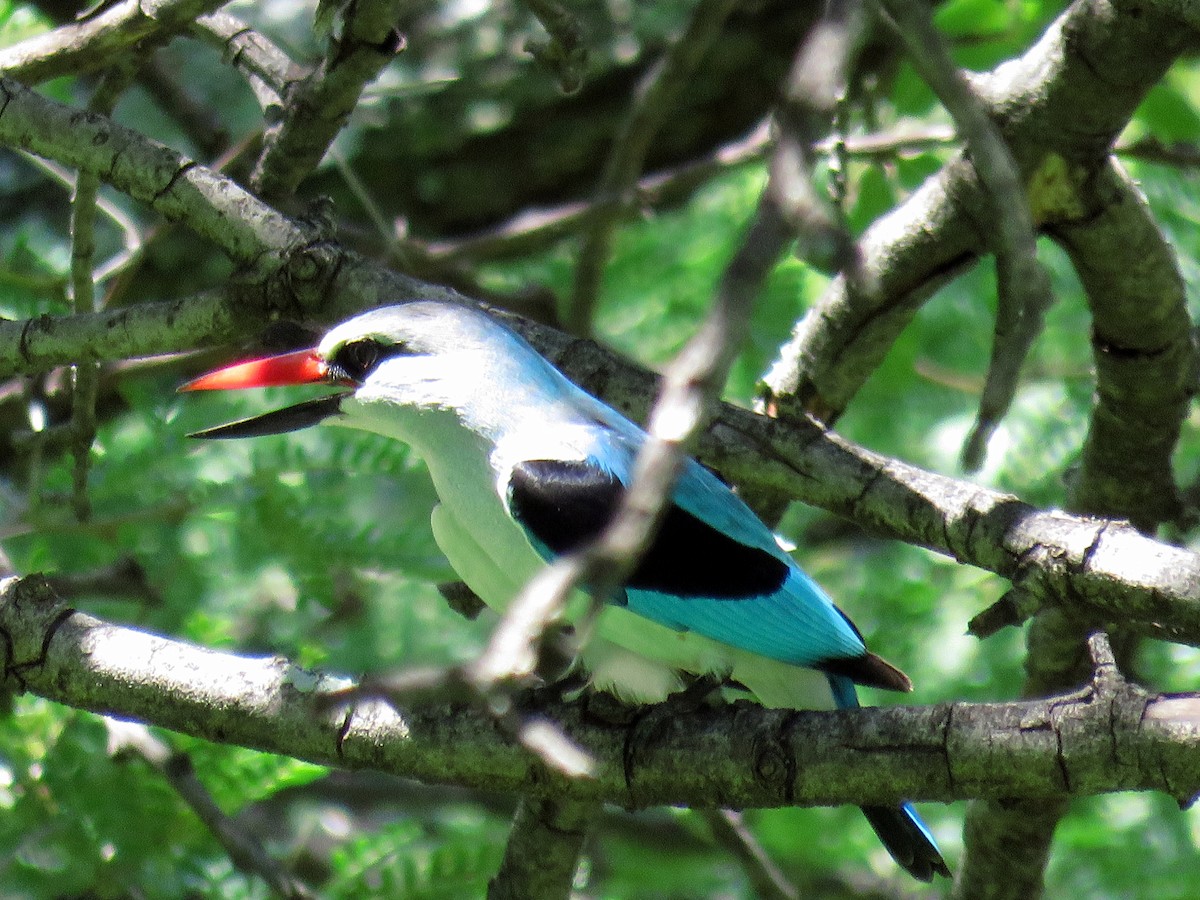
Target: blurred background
{"points": [[317, 546]]}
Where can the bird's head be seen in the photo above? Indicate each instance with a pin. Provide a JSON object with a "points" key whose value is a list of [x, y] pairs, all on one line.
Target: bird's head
{"points": [[395, 361]]}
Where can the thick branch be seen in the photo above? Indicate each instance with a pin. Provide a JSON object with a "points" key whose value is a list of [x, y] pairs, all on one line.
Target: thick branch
{"points": [[1099, 568], [1144, 355], [250, 232], [1060, 107], [148, 329], [1144, 365], [1112, 736], [94, 42]]}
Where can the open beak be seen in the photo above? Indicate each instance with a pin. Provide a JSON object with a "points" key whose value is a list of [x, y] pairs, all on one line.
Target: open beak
{"points": [[300, 367]]}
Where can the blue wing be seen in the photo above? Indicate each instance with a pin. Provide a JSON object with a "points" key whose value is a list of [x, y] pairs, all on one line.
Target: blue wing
{"points": [[714, 567]]}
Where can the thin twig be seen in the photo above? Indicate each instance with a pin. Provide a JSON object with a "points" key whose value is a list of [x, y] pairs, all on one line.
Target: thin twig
{"points": [[814, 88], [85, 375], [690, 387], [536, 228], [566, 53], [124, 579], [766, 879], [198, 120], [1024, 293], [654, 99], [246, 851], [131, 236], [1182, 155], [387, 233]]}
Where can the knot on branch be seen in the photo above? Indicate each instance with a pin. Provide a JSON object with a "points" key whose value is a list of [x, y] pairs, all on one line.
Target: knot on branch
{"points": [[773, 764], [30, 613], [1095, 725], [1046, 570], [303, 283]]}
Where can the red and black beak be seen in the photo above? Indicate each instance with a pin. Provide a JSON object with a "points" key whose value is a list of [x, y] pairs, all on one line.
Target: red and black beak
{"points": [[300, 367]]}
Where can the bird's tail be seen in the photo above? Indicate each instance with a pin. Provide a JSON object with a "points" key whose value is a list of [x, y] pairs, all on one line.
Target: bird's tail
{"points": [[900, 829]]}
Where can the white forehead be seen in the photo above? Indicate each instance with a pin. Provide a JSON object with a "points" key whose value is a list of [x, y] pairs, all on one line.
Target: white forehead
{"points": [[426, 324]]}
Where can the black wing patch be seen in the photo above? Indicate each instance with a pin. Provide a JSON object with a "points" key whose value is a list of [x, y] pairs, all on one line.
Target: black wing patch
{"points": [[565, 504]]}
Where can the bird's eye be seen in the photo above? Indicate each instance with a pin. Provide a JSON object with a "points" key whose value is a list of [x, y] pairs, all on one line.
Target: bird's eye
{"points": [[357, 358]]}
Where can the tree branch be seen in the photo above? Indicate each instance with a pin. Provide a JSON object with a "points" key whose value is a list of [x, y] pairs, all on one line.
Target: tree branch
{"points": [[534, 229], [816, 83], [1145, 363], [566, 53], [1059, 559], [267, 68], [1143, 351], [1024, 286], [245, 851], [1060, 111], [1110, 736], [315, 108], [543, 849], [93, 42], [654, 98], [729, 830], [148, 329], [250, 232]]}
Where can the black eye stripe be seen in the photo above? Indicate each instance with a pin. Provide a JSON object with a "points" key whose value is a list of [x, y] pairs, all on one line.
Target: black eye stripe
{"points": [[357, 359]]}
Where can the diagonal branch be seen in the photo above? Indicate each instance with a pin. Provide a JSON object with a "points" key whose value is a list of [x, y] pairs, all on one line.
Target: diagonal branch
{"points": [[1060, 111], [565, 55], [250, 232], [817, 82], [650, 106], [93, 42], [265, 66], [245, 850], [317, 107]]}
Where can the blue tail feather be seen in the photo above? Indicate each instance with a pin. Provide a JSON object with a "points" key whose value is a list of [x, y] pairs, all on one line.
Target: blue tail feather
{"points": [[907, 840], [900, 829]]}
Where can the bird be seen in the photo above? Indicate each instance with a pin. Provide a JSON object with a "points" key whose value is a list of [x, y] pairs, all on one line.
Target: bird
{"points": [[527, 466]]}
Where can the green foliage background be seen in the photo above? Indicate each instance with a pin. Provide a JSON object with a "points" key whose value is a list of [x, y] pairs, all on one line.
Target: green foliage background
{"points": [[317, 546]]}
